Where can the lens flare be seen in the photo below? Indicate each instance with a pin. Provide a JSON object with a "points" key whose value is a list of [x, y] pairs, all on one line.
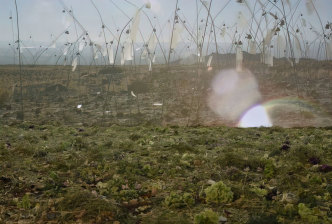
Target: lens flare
{"points": [[295, 112], [232, 93], [256, 116]]}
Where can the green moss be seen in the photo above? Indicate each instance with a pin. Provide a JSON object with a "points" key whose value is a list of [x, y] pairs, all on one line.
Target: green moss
{"points": [[147, 168], [259, 191], [188, 199], [116, 176], [289, 210], [182, 147], [275, 152], [129, 194], [316, 179], [126, 144], [25, 202], [218, 193], [307, 214], [79, 143], [134, 137], [269, 170], [175, 200], [307, 197], [329, 188], [241, 160], [206, 217]]}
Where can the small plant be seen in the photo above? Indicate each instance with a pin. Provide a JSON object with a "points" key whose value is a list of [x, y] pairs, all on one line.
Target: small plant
{"points": [[289, 210], [218, 193], [259, 191], [147, 170], [175, 200], [25, 203], [206, 217], [307, 214], [269, 170], [134, 137], [315, 179], [128, 194]]}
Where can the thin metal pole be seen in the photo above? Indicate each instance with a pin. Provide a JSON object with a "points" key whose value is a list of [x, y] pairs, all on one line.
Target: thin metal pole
{"points": [[19, 61], [170, 46]]}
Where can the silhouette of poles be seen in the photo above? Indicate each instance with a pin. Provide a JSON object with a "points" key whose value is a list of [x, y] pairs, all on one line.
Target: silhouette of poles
{"points": [[20, 62], [175, 17], [12, 25]]}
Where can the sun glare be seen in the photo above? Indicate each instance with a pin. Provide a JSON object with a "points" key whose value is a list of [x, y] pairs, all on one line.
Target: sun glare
{"points": [[256, 116]]}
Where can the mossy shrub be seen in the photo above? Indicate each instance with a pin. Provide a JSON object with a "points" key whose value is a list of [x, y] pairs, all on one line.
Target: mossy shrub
{"points": [[176, 200], [218, 193], [206, 217], [307, 214]]}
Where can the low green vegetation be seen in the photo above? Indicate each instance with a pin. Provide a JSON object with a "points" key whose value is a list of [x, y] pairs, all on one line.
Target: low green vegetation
{"points": [[208, 216], [218, 193], [55, 173]]}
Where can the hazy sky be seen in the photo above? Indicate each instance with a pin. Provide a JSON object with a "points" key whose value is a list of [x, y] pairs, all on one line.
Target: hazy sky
{"points": [[41, 18]]}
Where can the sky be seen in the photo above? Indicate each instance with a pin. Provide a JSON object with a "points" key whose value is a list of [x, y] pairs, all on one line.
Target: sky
{"points": [[43, 21], [41, 18]]}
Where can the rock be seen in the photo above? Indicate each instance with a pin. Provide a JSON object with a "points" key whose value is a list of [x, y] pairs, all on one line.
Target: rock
{"points": [[222, 219], [211, 182], [290, 198], [5, 180], [51, 215], [314, 160], [154, 191], [314, 168], [133, 202], [325, 168], [271, 194], [284, 147]]}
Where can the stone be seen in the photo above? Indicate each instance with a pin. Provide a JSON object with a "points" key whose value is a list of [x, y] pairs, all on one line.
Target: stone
{"points": [[222, 219]]}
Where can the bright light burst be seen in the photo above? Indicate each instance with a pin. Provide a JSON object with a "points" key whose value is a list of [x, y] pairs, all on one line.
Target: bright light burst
{"points": [[256, 116], [232, 93]]}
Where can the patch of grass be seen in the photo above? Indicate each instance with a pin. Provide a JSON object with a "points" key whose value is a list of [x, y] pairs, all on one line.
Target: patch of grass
{"points": [[87, 206]]}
